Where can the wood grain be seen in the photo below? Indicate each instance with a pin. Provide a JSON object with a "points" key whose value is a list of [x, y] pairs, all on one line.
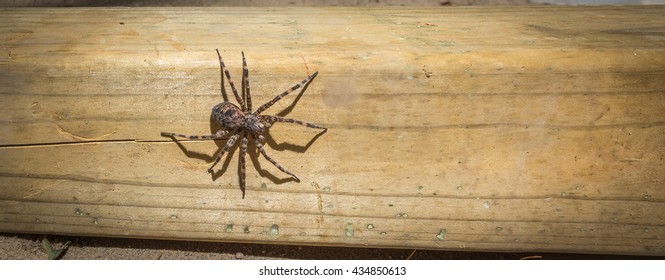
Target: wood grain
{"points": [[503, 129]]}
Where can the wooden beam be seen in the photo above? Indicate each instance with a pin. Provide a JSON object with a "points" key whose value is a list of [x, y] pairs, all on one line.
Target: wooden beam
{"points": [[508, 129]]}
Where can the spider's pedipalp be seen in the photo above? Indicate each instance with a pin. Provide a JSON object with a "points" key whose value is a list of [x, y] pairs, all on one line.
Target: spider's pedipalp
{"points": [[258, 144], [229, 144], [228, 77], [273, 119], [218, 135], [278, 97], [245, 83]]}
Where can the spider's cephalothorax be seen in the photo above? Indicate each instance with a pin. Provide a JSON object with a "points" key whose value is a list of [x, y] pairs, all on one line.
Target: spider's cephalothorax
{"points": [[241, 122]]}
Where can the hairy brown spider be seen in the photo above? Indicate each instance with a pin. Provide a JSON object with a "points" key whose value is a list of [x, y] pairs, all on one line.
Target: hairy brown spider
{"points": [[241, 123]]}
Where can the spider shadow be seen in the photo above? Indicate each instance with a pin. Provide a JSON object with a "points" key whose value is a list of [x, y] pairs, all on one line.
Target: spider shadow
{"points": [[225, 96], [253, 154], [270, 142], [281, 113], [218, 171], [252, 151], [288, 109], [208, 158], [189, 153]]}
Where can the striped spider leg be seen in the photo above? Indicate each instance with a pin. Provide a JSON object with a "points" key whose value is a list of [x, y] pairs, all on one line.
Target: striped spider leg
{"points": [[242, 123]]}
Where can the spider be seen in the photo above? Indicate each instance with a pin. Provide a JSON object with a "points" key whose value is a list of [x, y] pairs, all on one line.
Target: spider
{"points": [[243, 124]]}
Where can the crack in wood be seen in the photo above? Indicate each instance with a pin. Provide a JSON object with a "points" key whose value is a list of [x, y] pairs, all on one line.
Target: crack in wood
{"points": [[42, 189], [80, 178]]}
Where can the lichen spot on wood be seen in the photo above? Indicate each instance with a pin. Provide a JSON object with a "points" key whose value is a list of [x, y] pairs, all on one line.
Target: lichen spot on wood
{"points": [[441, 235], [274, 230], [349, 230]]}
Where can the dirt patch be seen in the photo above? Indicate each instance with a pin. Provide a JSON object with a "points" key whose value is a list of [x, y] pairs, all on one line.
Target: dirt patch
{"points": [[29, 247]]}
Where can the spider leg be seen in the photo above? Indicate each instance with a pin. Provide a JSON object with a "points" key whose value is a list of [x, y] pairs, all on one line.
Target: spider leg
{"points": [[274, 119], [229, 144], [257, 142], [218, 135], [278, 97], [245, 84], [228, 77], [241, 163]]}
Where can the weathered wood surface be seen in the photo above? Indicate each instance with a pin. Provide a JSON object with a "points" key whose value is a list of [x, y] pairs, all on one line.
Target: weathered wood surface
{"points": [[512, 129]]}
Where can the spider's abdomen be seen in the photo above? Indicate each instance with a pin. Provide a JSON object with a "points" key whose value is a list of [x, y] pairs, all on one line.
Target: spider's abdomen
{"points": [[228, 115]]}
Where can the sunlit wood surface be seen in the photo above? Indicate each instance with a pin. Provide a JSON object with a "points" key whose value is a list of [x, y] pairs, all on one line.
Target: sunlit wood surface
{"points": [[502, 129]]}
